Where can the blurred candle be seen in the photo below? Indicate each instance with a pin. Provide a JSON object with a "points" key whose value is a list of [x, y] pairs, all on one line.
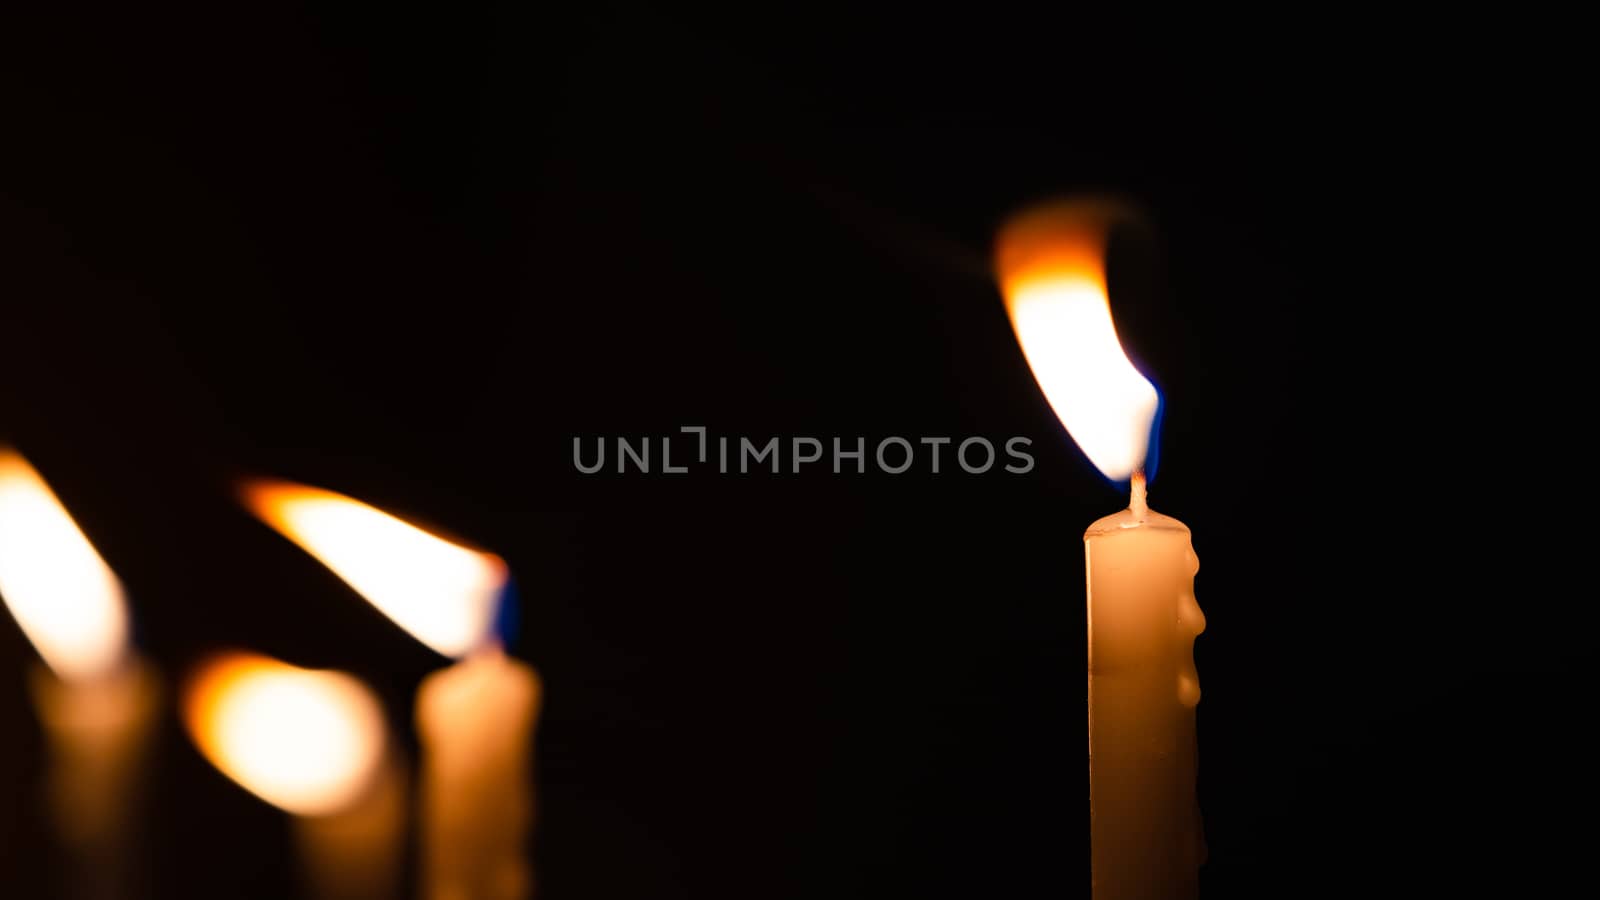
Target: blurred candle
{"points": [[96, 700], [1145, 835], [475, 718], [312, 743]]}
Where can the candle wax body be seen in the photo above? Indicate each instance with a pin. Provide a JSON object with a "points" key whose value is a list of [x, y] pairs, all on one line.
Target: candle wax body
{"points": [[475, 720], [1145, 835], [355, 853], [98, 731]]}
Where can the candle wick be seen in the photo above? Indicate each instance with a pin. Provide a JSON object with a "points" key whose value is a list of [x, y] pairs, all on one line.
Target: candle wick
{"points": [[1136, 501]]}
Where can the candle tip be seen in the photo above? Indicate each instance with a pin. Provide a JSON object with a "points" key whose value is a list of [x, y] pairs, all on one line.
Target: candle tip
{"points": [[1136, 499]]}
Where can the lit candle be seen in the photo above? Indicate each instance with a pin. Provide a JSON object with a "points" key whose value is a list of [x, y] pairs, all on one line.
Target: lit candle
{"points": [[475, 718], [1145, 835], [312, 743], [96, 699]]}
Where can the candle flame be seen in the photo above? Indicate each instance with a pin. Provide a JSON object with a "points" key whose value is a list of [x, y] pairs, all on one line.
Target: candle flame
{"points": [[443, 594], [1051, 264], [63, 595], [307, 741]]}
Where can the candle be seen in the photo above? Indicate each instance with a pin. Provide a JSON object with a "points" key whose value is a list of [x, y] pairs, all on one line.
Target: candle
{"points": [[312, 743], [475, 718], [96, 700], [1146, 840], [1145, 836], [476, 781]]}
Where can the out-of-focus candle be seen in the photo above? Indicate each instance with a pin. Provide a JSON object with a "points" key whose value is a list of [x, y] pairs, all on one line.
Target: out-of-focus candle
{"points": [[475, 718], [96, 700], [312, 743], [1145, 835], [476, 721]]}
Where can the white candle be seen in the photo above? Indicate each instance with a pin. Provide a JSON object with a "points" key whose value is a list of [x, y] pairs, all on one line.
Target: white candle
{"points": [[1145, 824], [1145, 833], [355, 853], [96, 700], [475, 718], [98, 736]]}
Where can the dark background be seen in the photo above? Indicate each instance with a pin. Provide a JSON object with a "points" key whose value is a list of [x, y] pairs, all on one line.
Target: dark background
{"points": [[411, 256]]}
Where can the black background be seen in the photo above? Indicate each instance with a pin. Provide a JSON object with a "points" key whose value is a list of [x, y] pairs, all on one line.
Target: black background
{"points": [[412, 256]]}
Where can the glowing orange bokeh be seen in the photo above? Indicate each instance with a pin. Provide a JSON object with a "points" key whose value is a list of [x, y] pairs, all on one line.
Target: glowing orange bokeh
{"points": [[66, 599], [443, 594], [307, 741]]}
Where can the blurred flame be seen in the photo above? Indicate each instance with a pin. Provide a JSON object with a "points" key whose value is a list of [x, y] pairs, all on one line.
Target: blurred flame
{"points": [[1051, 263], [443, 594], [307, 741], [67, 600]]}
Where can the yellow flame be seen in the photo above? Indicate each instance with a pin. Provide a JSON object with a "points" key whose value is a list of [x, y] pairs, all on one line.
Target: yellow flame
{"points": [[1051, 263], [67, 600], [307, 741], [443, 594]]}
